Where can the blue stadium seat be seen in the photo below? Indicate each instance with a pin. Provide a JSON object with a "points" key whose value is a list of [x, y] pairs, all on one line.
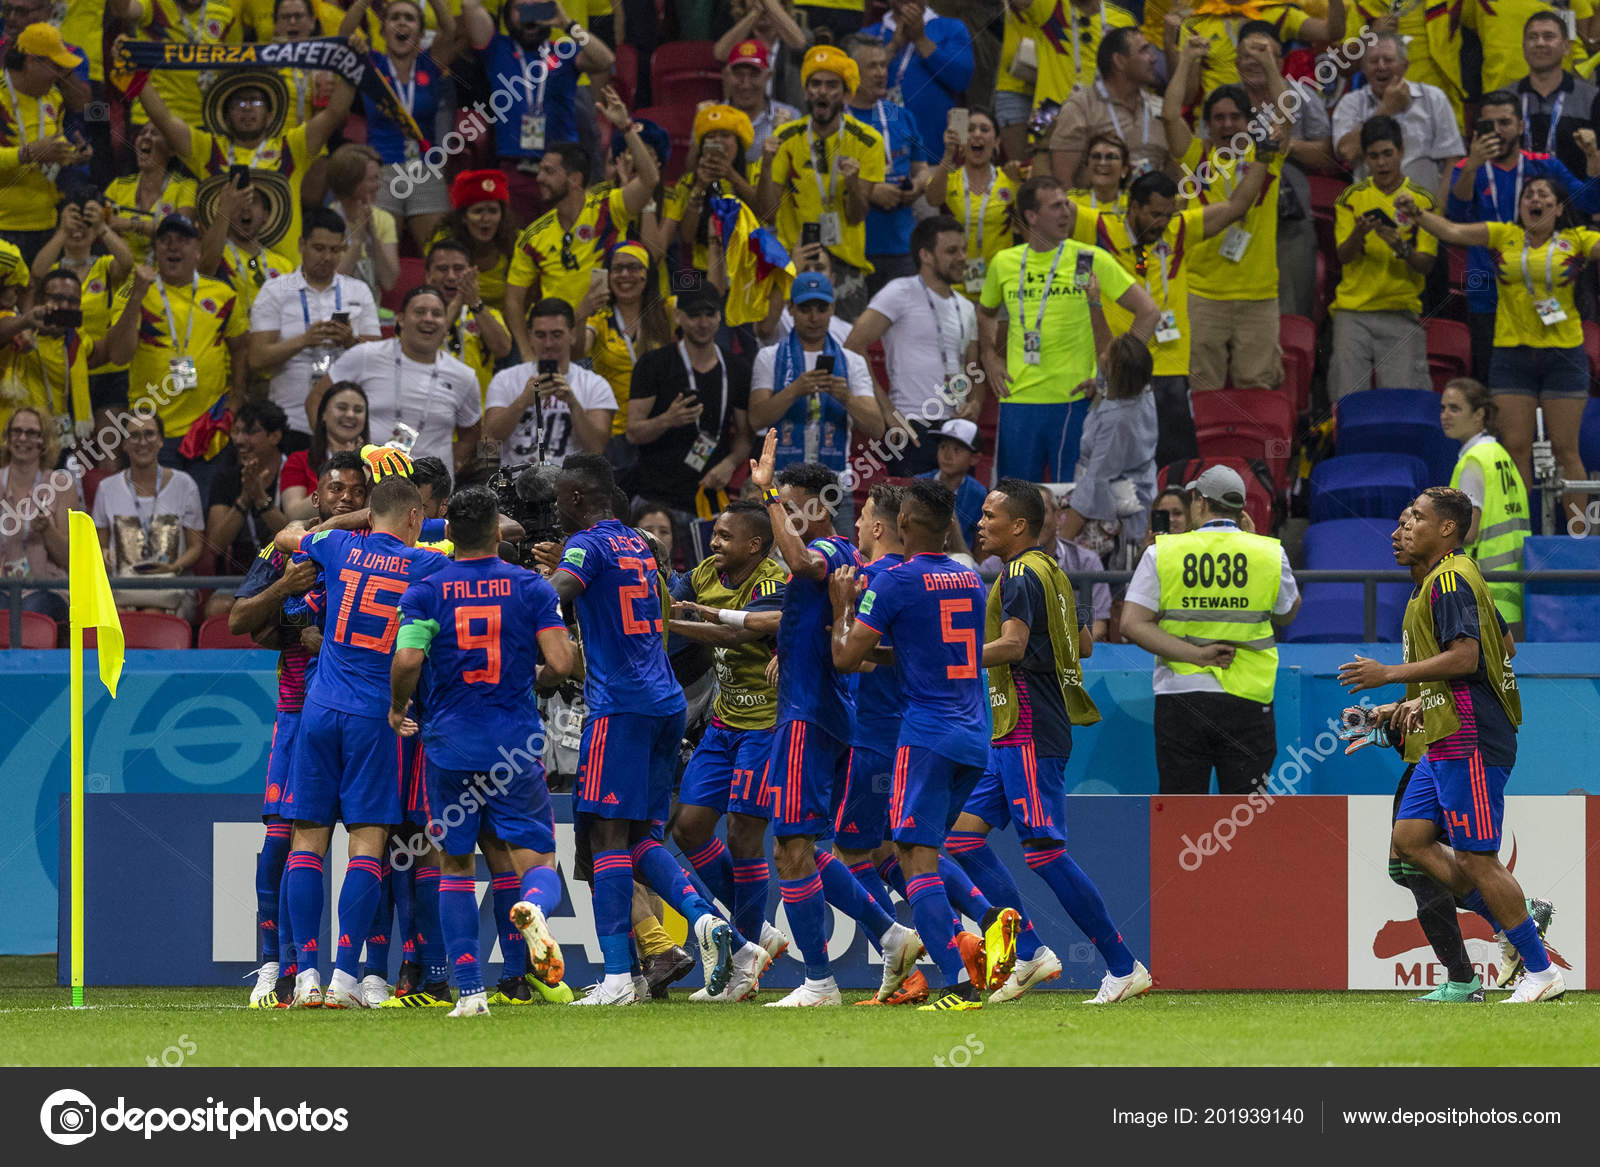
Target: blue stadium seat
{"points": [[1561, 611], [1333, 612], [1396, 421], [1589, 437], [1365, 486]]}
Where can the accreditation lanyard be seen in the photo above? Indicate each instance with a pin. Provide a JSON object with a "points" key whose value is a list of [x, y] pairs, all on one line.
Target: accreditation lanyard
{"points": [[901, 66], [527, 77], [888, 150], [1077, 49], [305, 303], [1157, 254], [399, 387], [1044, 296], [983, 208], [1116, 122], [1549, 268], [627, 341], [1550, 133], [812, 141], [172, 324], [16, 112], [722, 367], [405, 94], [255, 153], [950, 366], [1494, 191]]}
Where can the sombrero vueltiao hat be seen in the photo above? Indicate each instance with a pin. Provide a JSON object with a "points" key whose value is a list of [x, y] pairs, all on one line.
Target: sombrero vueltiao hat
{"points": [[214, 106], [274, 187]]}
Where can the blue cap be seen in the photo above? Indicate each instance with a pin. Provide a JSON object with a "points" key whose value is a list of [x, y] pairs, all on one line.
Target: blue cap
{"points": [[811, 286]]}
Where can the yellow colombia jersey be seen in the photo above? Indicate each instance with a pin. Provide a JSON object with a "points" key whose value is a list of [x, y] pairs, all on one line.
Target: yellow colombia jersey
{"points": [[1499, 27], [614, 360], [217, 320], [1221, 64], [1164, 271], [287, 154], [1254, 276], [1066, 42], [1552, 270], [176, 194], [13, 268], [465, 342], [249, 273], [985, 215], [744, 699], [165, 20], [560, 260], [102, 304], [1381, 281], [1090, 201], [30, 198], [55, 375], [794, 170]]}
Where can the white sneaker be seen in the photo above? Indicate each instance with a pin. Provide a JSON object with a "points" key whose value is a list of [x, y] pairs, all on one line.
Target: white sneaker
{"points": [[307, 990], [810, 993], [774, 941], [375, 990], [343, 992], [266, 981], [748, 965], [901, 949], [1114, 989], [1545, 986], [617, 990], [1028, 974], [471, 1005], [1510, 962], [716, 951]]}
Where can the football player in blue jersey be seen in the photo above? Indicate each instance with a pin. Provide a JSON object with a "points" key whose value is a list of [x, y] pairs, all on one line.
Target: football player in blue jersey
{"points": [[816, 718], [475, 635]]}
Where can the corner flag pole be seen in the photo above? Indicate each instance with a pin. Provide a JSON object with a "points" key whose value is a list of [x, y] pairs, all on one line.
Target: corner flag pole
{"points": [[76, 684]]}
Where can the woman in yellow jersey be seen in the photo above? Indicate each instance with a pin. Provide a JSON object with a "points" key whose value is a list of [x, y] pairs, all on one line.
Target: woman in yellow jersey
{"points": [[139, 201], [969, 185], [626, 318], [1106, 159], [1538, 359], [480, 217]]}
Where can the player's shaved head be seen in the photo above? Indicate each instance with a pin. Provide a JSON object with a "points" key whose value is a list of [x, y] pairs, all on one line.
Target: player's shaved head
{"points": [[741, 536], [392, 498], [583, 491], [474, 521], [925, 510]]}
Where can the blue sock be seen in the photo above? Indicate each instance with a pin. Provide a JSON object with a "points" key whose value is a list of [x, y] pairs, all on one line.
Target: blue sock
{"points": [[377, 962], [867, 876], [288, 958], [1081, 899], [971, 853], [807, 911], [302, 879], [1473, 902], [1526, 937], [889, 871], [714, 866], [963, 894], [541, 887], [269, 881], [513, 949], [844, 891], [613, 908], [358, 904], [402, 885], [1027, 941], [663, 874], [751, 878], [430, 940], [458, 916], [930, 911]]}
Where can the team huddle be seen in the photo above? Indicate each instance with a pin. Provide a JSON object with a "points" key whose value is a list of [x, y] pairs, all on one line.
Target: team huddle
{"points": [[851, 713]]}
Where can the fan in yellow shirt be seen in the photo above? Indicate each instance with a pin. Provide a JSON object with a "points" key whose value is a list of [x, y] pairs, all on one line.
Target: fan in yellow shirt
{"points": [[138, 202], [32, 148], [981, 196], [204, 22], [1218, 22], [1066, 37], [1499, 28], [47, 358], [625, 320]]}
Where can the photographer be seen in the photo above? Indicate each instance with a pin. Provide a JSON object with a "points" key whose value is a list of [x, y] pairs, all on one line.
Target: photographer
{"points": [[546, 408], [53, 361]]}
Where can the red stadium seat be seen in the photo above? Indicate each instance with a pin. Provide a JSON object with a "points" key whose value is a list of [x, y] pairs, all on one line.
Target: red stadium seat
{"points": [[678, 121], [155, 630], [413, 272], [1325, 191], [214, 634], [1247, 423], [1449, 351], [1298, 338], [687, 71], [625, 73], [38, 630]]}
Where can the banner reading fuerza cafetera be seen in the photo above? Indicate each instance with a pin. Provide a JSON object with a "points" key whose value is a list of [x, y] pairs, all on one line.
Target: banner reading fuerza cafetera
{"points": [[333, 54]]}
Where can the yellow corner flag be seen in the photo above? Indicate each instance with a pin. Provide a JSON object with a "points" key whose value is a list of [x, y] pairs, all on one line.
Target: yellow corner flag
{"points": [[92, 607]]}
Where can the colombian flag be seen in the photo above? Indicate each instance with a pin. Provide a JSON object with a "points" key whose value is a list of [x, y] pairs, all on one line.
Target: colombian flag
{"points": [[209, 433], [757, 262]]}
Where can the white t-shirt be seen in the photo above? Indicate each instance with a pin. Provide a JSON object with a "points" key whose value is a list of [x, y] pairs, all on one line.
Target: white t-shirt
{"points": [[145, 529], [435, 400], [278, 308], [857, 371], [590, 390], [1471, 483], [1144, 589], [922, 347]]}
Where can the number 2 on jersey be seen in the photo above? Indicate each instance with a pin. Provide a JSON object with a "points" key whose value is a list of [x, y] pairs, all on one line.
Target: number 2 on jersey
{"points": [[966, 637], [488, 640]]}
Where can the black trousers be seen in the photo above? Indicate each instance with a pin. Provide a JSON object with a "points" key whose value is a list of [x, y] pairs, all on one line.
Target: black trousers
{"points": [[1196, 732]]}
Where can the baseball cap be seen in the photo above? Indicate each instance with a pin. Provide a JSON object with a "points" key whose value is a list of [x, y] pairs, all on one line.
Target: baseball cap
{"points": [[44, 40], [1220, 484], [811, 286], [182, 224], [750, 52], [958, 429]]}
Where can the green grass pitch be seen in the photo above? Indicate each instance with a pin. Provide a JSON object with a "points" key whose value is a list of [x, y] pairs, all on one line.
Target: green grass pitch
{"points": [[211, 1027]]}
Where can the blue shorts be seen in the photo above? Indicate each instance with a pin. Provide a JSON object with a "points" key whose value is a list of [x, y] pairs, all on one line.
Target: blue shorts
{"points": [[347, 768], [514, 808], [806, 760], [862, 821], [728, 772], [421, 798], [1463, 796], [1526, 371], [626, 762], [279, 761], [1020, 787], [929, 792]]}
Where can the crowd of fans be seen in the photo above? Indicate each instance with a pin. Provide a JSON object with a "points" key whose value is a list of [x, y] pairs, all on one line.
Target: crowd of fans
{"points": [[215, 279]]}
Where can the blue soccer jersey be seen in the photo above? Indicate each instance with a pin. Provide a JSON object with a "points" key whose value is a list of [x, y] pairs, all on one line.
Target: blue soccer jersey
{"points": [[626, 669], [365, 574], [946, 694], [879, 702], [809, 687], [479, 621]]}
